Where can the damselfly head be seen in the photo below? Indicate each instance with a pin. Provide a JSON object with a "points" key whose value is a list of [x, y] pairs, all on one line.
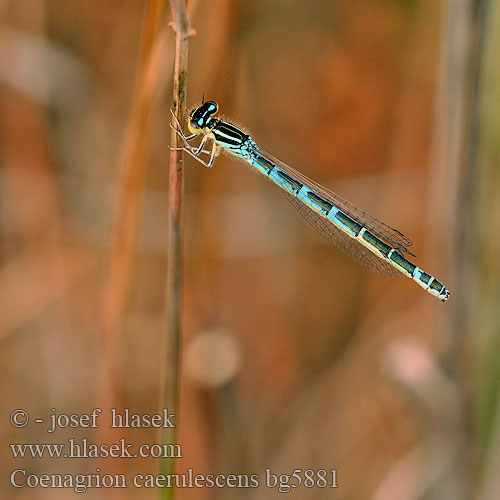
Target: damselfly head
{"points": [[200, 116]]}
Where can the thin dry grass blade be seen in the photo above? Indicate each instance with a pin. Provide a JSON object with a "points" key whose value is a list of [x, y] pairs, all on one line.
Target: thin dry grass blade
{"points": [[172, 337]]}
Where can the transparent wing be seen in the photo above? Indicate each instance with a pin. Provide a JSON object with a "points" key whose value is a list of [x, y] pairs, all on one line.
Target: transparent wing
{"points": [[342, 241], [391, 236]]}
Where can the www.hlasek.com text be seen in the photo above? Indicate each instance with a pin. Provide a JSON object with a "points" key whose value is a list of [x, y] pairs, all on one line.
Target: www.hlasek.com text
{"points": [[83, 448]]}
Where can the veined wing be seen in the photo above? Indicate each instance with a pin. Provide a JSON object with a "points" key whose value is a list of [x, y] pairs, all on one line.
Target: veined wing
{"points": [[391, 236], [349, 246]]}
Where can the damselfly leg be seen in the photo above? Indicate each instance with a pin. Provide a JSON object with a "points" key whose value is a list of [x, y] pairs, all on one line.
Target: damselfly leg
{"points": [[192, 151], [195, 154], [179, 129]]}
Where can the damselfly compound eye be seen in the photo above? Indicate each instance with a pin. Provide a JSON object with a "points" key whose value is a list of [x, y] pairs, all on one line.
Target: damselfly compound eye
{"points": [[212, 107]]}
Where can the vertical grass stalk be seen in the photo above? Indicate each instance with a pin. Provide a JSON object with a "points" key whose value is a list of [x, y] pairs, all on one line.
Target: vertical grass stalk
{"points": [[172, 337]]}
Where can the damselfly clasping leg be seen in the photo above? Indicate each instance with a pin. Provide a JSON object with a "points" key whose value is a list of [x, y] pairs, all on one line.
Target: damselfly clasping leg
{"points": [[195, 152]]}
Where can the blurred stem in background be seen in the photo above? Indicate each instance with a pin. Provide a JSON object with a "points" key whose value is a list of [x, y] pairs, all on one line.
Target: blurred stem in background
{"points": [[481, 257], [455, 103], [132, 175], [471, 128], [150, 79], [172, 337]]}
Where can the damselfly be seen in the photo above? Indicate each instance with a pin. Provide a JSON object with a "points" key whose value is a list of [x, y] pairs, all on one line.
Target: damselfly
{"points": [[365, 239]]}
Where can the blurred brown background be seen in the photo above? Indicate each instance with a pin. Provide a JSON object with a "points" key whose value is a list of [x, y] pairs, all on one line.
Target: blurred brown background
{"points": [[294, 357]]}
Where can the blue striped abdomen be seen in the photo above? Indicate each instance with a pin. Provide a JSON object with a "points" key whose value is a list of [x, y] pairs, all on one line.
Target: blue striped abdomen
{"points": [[347, 224]]}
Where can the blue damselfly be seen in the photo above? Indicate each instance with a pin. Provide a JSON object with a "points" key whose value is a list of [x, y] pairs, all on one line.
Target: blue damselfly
{"points": [[365, 239]]}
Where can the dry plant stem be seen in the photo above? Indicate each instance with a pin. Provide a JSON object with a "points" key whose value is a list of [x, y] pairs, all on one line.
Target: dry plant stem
{"points": [[171, 379]]}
